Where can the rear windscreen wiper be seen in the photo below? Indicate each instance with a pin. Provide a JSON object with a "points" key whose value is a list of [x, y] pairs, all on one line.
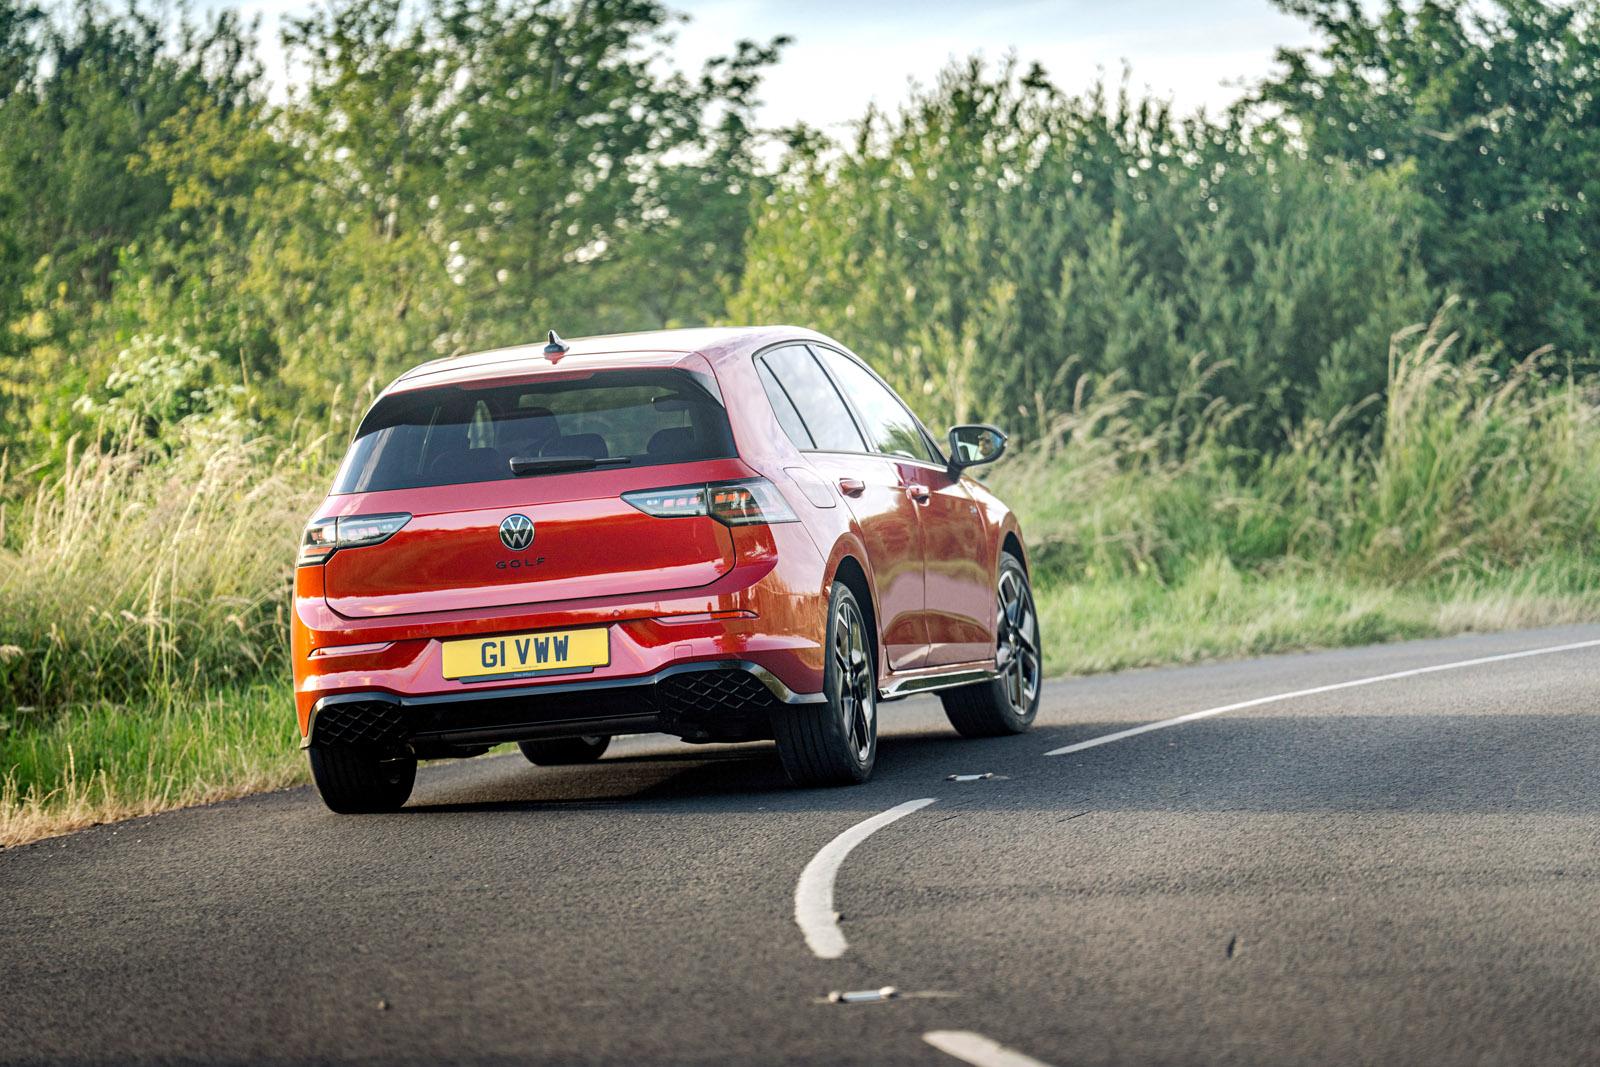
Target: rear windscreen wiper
{"points": [[525, 465]]}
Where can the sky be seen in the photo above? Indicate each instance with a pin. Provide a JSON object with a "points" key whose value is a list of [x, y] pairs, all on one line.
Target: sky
{"points": [[845, 54], [848, 53]]}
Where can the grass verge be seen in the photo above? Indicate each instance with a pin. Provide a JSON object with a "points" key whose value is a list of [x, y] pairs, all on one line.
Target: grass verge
{"points": [[103, 762], [1218, 612]]}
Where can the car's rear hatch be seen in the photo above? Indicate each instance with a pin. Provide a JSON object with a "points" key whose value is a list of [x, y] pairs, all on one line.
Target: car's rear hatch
{"points": [[481, 536]]}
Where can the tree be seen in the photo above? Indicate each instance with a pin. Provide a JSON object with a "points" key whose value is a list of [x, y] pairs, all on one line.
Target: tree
{"points": [[997, 240], [81, 93], [447, 175], [482, 171], [1491, 113]]}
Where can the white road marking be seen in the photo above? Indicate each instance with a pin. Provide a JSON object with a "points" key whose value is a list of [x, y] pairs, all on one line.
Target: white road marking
{"points": [[978, 1050], [1105, 739], [813, 896]]}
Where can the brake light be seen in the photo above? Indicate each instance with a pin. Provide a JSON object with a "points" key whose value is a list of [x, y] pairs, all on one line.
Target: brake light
{"points": [[323, 537], [682, 502], [748, 502], [318, 542]]}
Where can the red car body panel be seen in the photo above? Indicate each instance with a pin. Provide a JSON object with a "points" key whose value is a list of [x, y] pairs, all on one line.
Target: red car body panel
{"points": [[672, 591], [591, 543]]}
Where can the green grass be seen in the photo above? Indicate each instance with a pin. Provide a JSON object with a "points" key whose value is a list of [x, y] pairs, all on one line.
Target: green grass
{"points": [[1219, 612], [101, 761]]}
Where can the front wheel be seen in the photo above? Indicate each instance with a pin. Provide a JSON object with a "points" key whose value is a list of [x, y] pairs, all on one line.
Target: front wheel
{"points": [[835, 742], [1008, 703], [561, 751], [360, 781]]}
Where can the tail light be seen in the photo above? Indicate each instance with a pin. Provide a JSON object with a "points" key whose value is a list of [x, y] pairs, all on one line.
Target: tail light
{"points": [[748, 502], [325, 536]]}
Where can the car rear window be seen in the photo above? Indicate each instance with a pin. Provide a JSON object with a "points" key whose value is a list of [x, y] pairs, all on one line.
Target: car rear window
{"points": [[450, 435]]}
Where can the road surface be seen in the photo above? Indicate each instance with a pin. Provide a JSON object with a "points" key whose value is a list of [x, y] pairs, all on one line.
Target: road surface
{"points": [[1402, 870]]}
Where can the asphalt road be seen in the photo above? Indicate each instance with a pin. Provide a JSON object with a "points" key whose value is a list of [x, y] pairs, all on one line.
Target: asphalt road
{"points": [[1398, 872]]}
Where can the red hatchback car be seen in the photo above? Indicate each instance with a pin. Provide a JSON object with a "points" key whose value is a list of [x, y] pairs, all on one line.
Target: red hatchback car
{"points": [[722, 534]]}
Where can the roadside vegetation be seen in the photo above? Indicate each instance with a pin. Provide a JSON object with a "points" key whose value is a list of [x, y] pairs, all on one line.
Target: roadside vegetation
{"points": [[1319, 371], [1472, 506]]}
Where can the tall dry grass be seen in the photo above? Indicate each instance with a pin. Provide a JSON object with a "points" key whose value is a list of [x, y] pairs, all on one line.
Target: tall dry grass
{"points": [[138, 571], [143, 628], [1469, 472]]}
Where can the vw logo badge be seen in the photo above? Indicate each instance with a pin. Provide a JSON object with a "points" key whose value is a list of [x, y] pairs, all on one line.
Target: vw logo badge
{"points": [[516, 532]]}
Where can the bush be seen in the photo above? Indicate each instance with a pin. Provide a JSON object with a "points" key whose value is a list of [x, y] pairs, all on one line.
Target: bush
{"points": [[1469, 472]]}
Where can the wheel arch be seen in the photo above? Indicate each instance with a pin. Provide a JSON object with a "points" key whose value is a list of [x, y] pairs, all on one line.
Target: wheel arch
{"points": [[853, 574], [1012, 543]]}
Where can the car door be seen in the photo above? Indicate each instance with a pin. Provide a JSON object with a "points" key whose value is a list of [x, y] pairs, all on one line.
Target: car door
{"points": [[957, 574], [872, 488], [958, 598]]}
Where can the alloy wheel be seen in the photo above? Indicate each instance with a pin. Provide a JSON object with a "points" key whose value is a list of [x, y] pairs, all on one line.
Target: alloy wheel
{"points": [[1017, 629], [857, 696]]}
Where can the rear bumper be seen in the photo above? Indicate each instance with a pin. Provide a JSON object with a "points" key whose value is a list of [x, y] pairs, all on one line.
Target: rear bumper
{"points": [[767, 615], [729, 699]]}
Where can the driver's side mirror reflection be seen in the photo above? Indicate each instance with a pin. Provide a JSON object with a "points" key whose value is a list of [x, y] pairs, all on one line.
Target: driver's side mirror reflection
{"points": [[974, 444]]}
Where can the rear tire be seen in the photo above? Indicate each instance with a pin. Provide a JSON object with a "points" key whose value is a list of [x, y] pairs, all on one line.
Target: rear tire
{"points": [[1008, 703], [561, 751], [359, 781], [835, 742]]}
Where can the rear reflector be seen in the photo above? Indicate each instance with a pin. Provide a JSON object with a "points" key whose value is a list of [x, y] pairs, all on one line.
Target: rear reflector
{"points": [[706, 616], [748, 502], [324, 536], [350, 650]]}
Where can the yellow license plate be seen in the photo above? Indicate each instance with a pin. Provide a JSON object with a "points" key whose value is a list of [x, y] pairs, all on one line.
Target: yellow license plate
{"points": [[496, 657]]}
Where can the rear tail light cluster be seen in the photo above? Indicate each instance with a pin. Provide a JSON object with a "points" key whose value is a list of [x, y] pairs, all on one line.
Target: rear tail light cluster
{"points": [[324, 536], [748, 502]]}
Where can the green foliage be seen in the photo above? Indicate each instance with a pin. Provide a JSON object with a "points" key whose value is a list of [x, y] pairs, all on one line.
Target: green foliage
{"points": [[997, 240], [1471, 472], [81, 94], [160, 386], [1492, 111], [449, 174]]}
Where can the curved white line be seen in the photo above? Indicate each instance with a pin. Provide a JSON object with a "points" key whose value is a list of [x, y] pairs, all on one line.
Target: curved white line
{"points": [[1258, 701], [813, 896], [978, 1050]]}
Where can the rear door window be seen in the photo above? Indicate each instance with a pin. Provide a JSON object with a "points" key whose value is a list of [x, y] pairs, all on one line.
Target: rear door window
{"points": [[450, 435], [889, 424], [824, 422], [788, 417]]}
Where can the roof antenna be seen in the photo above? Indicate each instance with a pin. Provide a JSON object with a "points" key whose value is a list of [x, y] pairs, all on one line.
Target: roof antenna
{"points": [[556, 348]]}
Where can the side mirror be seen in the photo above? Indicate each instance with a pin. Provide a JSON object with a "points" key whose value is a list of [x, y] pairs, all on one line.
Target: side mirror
{"points": [[975, 444]]}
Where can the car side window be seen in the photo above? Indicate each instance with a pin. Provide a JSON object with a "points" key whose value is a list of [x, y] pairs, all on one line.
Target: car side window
{"points": [[890, 426], [784, 408], [817, 404]]}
